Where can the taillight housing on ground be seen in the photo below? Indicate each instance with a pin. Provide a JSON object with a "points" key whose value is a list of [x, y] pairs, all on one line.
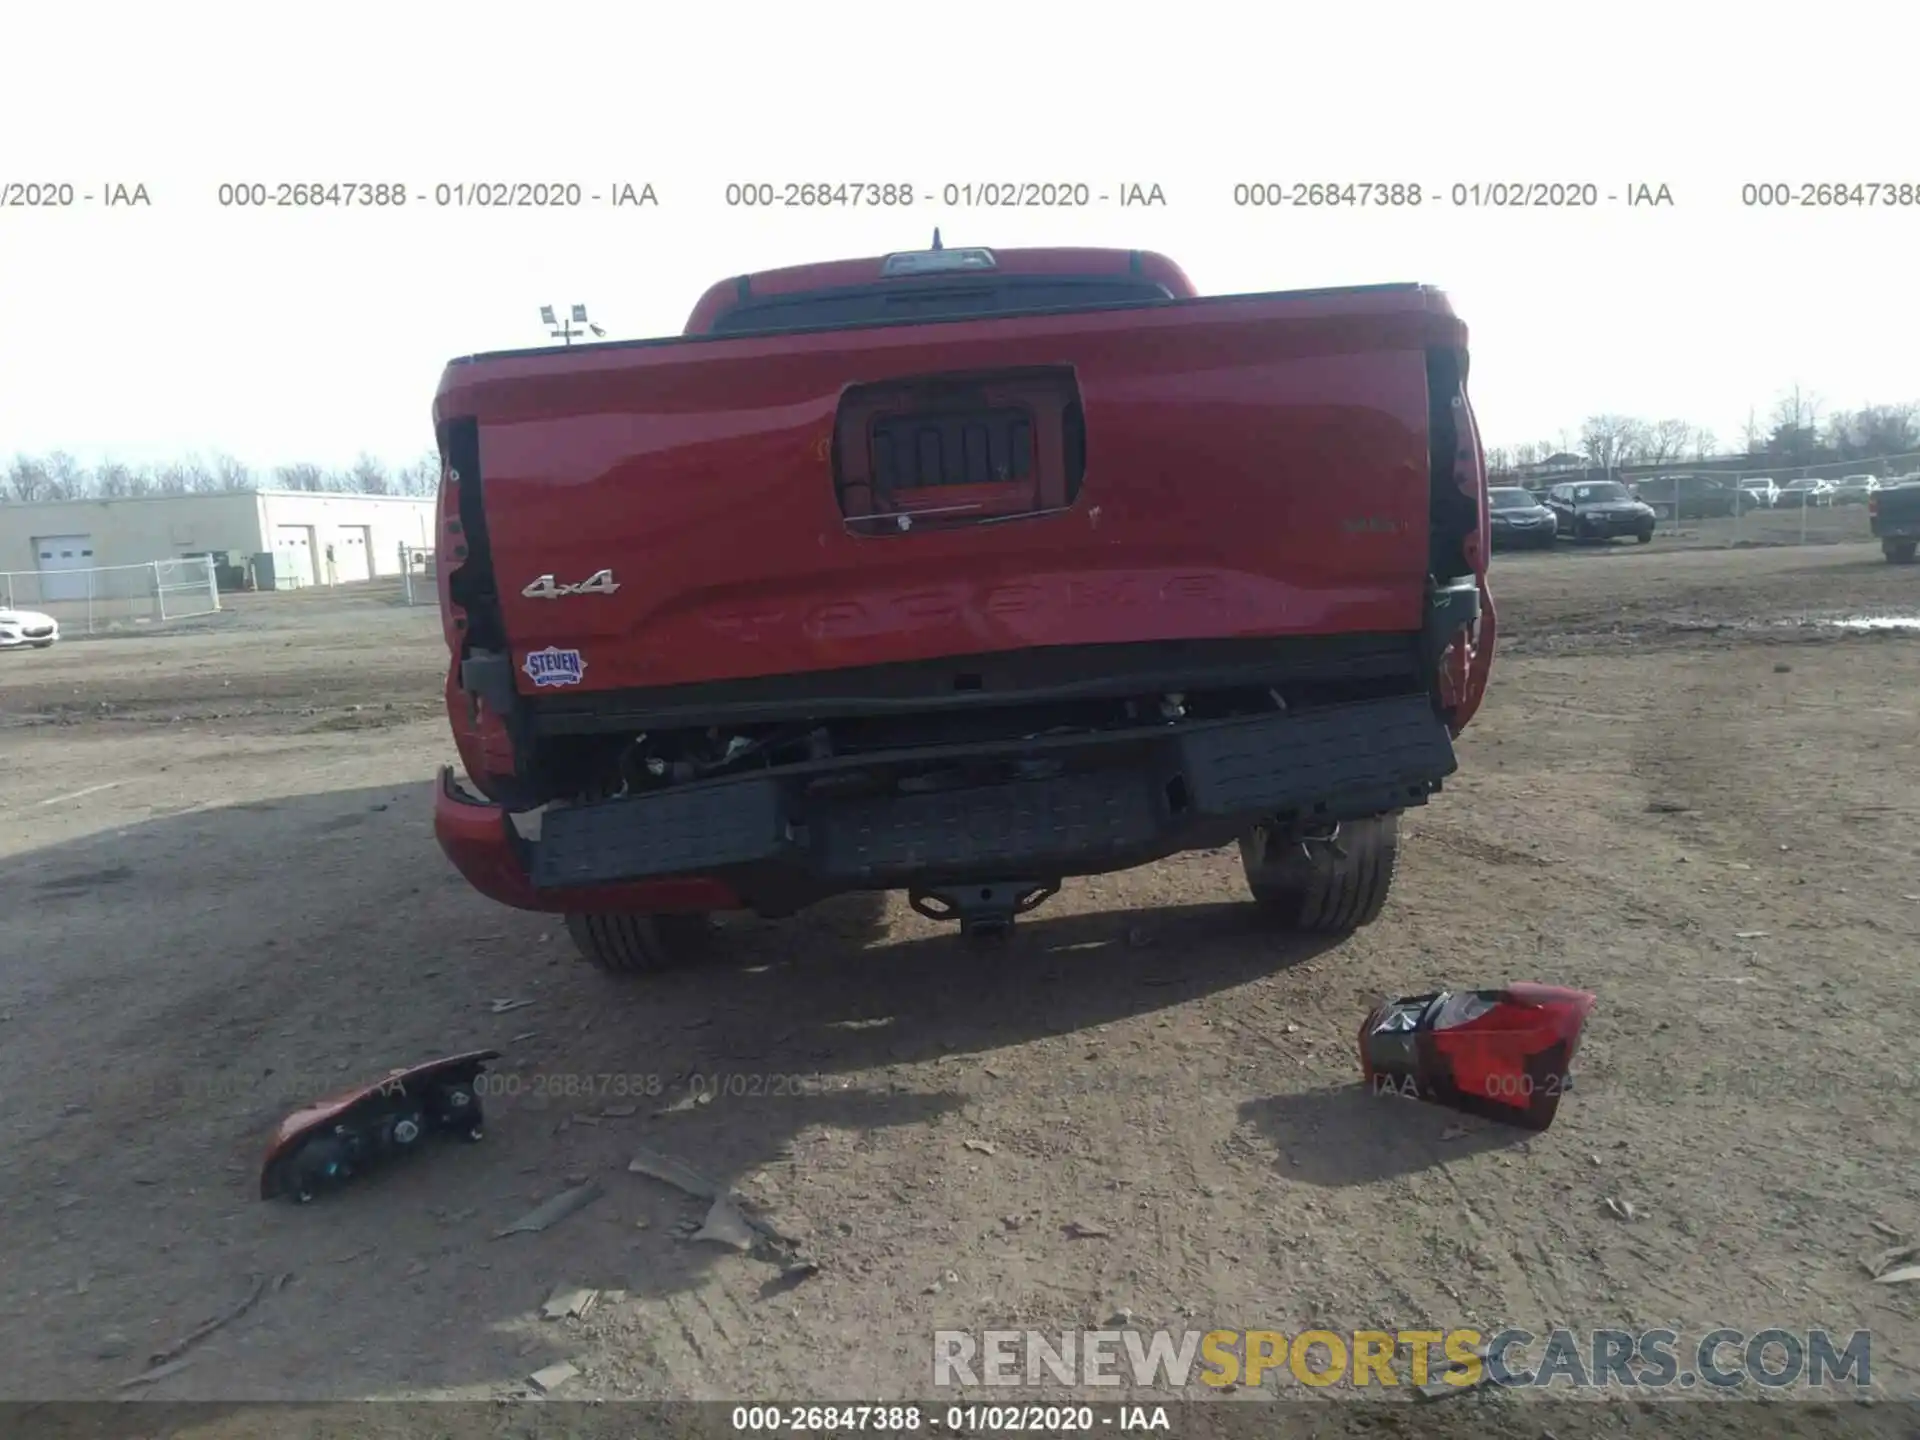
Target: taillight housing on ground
{"points": [[1504, 1055]]}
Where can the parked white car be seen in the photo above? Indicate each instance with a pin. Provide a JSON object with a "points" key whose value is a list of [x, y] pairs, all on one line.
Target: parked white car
{"points": [[27, 627], [1762, 493], [1800, 494]]}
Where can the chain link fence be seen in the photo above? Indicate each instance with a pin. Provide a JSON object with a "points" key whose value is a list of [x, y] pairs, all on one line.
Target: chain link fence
{"points": [[418, 580], [114, 597], [1808, 505], [1760, 510]]}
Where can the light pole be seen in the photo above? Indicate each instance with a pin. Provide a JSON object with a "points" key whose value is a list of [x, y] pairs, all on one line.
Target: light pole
{"points": [[563, 330]]}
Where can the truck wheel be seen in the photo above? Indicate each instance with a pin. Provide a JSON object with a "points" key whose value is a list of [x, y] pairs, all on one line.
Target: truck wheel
{"points": [[1313, 886], [1898, 552], [640, 944], [1645, 537]]}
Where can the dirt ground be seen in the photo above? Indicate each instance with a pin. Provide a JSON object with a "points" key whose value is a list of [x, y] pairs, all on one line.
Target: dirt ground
{"points": [[1690, 791], [1784, 525]]}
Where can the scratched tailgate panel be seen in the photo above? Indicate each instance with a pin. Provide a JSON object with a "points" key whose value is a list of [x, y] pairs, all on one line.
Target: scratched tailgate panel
{"points": [[1253, 467]]}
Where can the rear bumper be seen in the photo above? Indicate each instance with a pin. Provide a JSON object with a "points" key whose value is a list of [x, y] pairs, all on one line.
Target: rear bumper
{"points": [[479, 838], [776, 843], [1590, 527], [1896, 527], [1505, 536]]}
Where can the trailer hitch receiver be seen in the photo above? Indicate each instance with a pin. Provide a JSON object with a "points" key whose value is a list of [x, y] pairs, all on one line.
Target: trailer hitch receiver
{"points": [[986, 912]]}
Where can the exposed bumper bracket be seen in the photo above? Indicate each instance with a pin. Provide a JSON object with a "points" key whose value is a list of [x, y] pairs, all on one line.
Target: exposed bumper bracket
{"points": [[1113, 803]]}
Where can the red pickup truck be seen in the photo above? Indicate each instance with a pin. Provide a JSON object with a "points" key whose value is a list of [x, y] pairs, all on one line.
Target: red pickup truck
{"points": [[960, 572]]}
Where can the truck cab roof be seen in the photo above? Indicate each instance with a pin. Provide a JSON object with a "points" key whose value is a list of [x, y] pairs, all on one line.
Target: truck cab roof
{"points": [[936, 284]]}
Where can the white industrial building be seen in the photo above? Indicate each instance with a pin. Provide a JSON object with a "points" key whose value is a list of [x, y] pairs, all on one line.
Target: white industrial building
{"points": [[290, 539]]}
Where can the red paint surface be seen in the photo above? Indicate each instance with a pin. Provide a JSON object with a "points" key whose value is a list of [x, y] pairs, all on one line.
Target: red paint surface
{"points": [[1240, 456]]}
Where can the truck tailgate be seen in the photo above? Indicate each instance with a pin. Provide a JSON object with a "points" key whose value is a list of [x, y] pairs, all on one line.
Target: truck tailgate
{"points": [[1231, 467]]}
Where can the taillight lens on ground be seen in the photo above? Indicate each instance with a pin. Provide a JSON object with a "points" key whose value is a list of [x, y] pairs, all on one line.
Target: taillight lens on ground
{"points": [[1504, 1055]]}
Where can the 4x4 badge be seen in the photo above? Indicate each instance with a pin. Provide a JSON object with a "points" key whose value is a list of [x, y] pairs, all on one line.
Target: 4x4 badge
{"points": [[601, 582]]}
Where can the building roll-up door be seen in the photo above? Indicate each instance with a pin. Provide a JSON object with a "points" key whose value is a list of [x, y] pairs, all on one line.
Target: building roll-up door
{"points": [[60, 560], [350, 558], [292, 556]]}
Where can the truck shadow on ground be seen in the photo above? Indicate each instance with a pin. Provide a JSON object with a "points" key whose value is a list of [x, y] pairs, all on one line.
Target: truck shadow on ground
{"points": [[908, 1000], [1347, 1135], [221, 967]]}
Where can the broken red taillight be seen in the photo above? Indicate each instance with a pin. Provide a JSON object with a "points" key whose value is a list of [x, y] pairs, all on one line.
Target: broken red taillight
{"points": [[450, 533], [469, 606], [1460, 465], [1504, 1055]]}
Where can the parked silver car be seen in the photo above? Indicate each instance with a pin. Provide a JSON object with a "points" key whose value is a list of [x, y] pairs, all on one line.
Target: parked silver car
{"points": [[1797, 493], [1855, 489]]}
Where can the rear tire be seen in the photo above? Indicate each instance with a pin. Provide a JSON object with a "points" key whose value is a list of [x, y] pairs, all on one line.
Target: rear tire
{"points": [[641, 944], [1898, 552], [1311, 888]]}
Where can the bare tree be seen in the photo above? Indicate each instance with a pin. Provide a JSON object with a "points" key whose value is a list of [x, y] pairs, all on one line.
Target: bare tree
{"points": [[422, 477], [1499, 461], [200, 477], [114, 481], [1886, 429], [27, 479], [1666, 440], [339, 482], [230, 474], [1797, 409], [1610, 440], [303, 476], [1794, 434], [370, 476], [67, 478]]}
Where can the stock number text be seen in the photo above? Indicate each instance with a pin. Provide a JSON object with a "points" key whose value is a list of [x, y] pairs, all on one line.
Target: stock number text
{"points": [[1864, 194], [805, 1418], [1278, 194], [570, 1086], [312, 194], [819, 194]]}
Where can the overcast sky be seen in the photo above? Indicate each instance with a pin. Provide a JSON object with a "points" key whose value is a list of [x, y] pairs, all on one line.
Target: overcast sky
{"points": [[145, 334]]}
